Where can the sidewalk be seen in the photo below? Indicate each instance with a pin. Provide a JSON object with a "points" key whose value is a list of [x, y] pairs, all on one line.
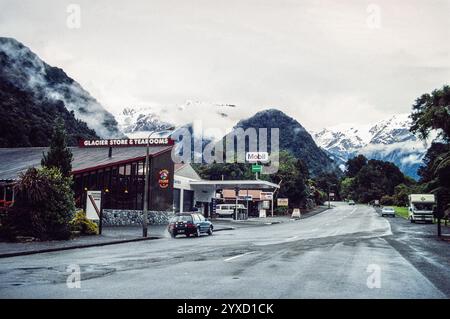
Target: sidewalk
{"points": [[109, 236]]}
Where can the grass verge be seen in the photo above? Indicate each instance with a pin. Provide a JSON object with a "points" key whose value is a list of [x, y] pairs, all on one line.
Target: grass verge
{"points": [[401, 211]]}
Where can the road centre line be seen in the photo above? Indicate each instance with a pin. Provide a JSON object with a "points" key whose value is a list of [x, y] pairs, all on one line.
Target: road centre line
{"points": [[237, 256]]}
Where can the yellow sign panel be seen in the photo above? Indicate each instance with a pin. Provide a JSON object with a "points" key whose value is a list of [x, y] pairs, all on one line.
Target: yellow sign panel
{"points": [[283, 202]]}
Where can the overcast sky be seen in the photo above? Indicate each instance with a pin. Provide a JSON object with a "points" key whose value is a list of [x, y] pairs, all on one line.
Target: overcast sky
{"points": [[322, 62]]}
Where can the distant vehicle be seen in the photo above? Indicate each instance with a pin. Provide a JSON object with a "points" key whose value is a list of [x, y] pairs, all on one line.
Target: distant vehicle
{"points": [[351, 202], [228, 210], [421, 207], [388, 211], [189, 224]]}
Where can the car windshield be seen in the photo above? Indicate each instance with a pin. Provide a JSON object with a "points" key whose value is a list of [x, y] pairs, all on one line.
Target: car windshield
{"points": [[423, 206], [182, 218], [388, 208]]}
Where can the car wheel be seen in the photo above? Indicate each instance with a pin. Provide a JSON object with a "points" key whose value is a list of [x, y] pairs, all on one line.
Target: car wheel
{"points": [[210, 231], [198, 232], [412, 220], [173, 235], [188, 235]]}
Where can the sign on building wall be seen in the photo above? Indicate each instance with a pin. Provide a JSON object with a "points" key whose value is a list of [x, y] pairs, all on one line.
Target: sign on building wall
{"points": [[163, 178], [93, 204], [266, 196], [155, 141], [266, 204]]}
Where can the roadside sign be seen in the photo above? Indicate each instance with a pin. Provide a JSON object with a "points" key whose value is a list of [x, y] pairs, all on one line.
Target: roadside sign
{"points": [[266, 195], [296, 213], [93, 204], [256, 168], [331, 194], [254, 157], [262, 213], [266, 204], [283, 202]]}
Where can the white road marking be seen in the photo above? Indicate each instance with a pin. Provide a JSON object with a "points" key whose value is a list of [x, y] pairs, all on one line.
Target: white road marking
{"points": [[291, 238], [234, 257]]}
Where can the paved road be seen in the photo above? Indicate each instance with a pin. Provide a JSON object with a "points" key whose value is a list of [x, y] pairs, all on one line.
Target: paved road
{"points": [[330, 255]]}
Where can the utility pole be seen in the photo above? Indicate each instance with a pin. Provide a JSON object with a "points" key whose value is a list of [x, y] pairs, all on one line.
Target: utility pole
{"points": [[145, 210], [236, 190], [329, 204], [147, 173]]}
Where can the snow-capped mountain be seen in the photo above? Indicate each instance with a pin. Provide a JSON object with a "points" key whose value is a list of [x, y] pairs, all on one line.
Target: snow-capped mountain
{"points": [[139, 122], [388, 140]]}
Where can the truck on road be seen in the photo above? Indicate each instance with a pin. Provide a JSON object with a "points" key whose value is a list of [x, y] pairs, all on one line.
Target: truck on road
{"points": [[421, 207]]}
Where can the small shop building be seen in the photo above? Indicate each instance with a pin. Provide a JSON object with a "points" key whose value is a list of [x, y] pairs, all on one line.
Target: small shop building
{"points": [[117, 172]]}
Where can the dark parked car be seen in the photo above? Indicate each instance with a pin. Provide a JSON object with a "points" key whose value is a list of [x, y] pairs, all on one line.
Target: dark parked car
{"points": [[189, 224]]}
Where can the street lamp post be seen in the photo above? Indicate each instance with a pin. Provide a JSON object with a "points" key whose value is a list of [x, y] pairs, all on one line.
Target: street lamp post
{"points": [[147, 173]]}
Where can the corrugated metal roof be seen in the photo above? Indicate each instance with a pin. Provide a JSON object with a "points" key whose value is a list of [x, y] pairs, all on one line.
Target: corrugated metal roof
{"points": [[16, 160]]}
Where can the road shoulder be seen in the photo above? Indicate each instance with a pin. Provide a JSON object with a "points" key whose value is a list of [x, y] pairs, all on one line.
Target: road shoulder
{"points": [[418, 243]]}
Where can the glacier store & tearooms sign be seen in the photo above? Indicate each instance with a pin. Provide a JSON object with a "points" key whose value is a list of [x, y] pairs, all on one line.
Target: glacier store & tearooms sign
{"points": [[156, 141]]}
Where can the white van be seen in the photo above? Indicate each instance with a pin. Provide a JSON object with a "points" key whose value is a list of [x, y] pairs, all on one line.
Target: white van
{"points": [[421, 207], [227, 210]]}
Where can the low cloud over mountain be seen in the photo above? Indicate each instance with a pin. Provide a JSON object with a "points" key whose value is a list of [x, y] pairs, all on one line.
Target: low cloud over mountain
{"points": [[23, 73]]}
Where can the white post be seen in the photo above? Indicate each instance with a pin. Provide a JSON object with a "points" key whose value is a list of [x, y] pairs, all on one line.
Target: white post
{"points": [[181, 200], [272, 202]]}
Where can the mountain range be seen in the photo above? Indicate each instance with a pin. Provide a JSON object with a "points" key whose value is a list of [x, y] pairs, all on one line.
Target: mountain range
{"points": [[388, 140]]}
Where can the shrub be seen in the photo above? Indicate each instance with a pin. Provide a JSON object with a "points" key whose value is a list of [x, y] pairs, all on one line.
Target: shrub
{"points": [[280, 211], [83, 225], [44, 204], [6, 229]]}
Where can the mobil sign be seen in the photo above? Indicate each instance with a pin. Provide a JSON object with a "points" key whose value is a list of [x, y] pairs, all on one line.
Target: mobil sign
{"points": [[254, 157]]}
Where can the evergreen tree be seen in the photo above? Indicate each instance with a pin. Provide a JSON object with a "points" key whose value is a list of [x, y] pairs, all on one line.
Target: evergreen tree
{"points": [[431, 112], [355, 164], [59, 155]]}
